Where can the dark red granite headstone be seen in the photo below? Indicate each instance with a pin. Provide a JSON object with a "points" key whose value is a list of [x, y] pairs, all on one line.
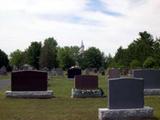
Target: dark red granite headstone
{"points": [[29, 81], [86, 82]]}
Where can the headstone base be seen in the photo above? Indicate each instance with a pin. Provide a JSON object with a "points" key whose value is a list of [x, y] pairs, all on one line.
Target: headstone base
{"points": [[125, 114], [29, 94], [81, 93], [151, 91]]}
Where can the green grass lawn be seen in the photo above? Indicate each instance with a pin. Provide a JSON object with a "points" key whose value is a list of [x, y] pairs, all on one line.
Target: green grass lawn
{"points": [[62, 107], [5, 77]]}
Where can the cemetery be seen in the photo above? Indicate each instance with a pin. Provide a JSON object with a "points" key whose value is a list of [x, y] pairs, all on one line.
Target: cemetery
{"points": [[63, 107], [47, 81]]}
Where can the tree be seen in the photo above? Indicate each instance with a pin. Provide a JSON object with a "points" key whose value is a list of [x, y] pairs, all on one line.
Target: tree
{"points": [[92, 58], [135, 64], [156, 54], [122, 58], [17, 58], [3, 59], [141, 48], [108, 61], [66, 57], [138, 50], [48, 56], [149, 63], [33, 54]]}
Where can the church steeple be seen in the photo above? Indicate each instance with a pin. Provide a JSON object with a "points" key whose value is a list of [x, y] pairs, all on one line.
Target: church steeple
{"points": [[81, 48]]}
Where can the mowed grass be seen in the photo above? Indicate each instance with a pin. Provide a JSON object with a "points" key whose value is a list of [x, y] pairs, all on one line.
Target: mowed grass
{"points": [[5, 77], [62, 107]]}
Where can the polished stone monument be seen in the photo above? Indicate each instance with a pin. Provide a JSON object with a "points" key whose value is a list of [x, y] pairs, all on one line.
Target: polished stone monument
{"points": [[73, 71], [125, 100], [151, 80], [86, 86], [29, 84]]}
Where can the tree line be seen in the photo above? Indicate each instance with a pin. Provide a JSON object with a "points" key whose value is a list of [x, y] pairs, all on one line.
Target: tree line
{"points": [[144, 52]]}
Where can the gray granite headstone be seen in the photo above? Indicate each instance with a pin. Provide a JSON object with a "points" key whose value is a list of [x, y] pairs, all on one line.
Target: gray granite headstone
{"points": [[59, 71], [52, 72], [3, 70], [126, 93], [114, 73], [151, 77]]}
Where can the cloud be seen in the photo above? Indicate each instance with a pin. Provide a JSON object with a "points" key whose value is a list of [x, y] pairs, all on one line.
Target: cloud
{"points": [[105, 24]]}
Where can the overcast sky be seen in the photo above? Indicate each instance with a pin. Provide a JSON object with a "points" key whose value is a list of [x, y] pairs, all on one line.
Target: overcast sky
{"points": [[105, 24]]}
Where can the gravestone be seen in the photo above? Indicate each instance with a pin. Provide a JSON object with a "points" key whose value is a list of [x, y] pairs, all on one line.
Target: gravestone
{"points": [[59, 72], [151, 80], [29, 84], [125, 100], [29, 81], [86, 71], [26, 67], [73, 71], [86, 86], [113, 73], [125, 93], [124, 72], [3, 70], [52, 72], [86, 82]]}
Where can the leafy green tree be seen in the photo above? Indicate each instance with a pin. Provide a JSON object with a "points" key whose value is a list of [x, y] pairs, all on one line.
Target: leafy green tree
{"points": [[149, 63], [17, 58], [135, 64], [92, 58], [121, 57], [66, 57], [48, 56], [33, 54], [74, 51], [141, 48], [156, 54], [3, 59]]}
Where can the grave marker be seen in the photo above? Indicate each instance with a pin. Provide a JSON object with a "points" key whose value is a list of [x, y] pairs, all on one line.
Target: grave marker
{"points": [[29, 84]]}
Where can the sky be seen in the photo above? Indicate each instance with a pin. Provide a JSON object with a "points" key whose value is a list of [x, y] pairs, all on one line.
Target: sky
{"points": [[104, 24]]}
